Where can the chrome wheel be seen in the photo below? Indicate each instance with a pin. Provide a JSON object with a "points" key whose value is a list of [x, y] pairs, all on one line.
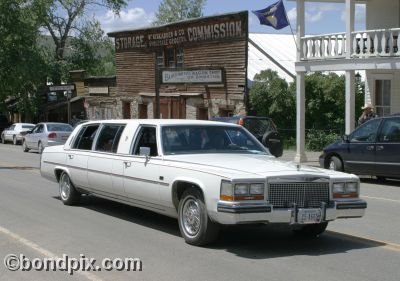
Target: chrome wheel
{"points": [[191, 217], [194, 224], [65, 187], [68, 194]]}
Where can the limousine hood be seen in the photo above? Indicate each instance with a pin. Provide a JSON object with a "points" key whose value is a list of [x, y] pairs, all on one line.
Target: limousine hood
{"points": [[250, 164]]}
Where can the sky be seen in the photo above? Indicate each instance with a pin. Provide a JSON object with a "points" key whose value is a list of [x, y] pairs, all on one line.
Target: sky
{"points": [[320, 17]]}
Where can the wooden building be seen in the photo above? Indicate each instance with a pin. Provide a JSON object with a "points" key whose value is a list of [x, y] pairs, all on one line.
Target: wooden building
{"points": [[197, 66]]}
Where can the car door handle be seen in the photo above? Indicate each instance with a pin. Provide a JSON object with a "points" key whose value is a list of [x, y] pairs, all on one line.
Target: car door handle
{"points": [[127, 164], [70, 156], [370, 147], [379, 147]]}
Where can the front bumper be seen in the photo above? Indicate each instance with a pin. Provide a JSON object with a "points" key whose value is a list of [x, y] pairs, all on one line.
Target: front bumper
{"points": [[262, 212]]}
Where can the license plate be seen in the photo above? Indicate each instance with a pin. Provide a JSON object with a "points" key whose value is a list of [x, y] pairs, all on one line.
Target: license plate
{"points": [[305, 216]]}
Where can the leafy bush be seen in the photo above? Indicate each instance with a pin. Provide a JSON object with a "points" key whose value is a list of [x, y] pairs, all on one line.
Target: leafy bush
{"points": [[316, 140]]}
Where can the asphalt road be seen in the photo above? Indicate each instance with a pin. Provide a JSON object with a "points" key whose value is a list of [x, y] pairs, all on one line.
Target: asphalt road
{"points": [[34, 222]]}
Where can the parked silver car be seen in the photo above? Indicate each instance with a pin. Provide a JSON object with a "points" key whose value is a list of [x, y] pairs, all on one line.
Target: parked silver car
{"points": [[46, 134], [13, 133]]}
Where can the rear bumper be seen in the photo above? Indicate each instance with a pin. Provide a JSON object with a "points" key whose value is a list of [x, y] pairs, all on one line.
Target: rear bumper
{"points": [[240, 213], [53, 143]]}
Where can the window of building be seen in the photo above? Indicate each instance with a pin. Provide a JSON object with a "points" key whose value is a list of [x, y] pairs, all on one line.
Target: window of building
{"points": [[382, 97], [160, 58], [170, 57]]}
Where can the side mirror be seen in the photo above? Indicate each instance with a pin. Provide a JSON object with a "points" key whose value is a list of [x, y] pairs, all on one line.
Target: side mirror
{"points": [[346, 138], [144, 151]]}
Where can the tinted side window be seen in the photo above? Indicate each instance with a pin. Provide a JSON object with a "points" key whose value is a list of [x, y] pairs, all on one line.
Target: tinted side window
{"points": [[109, 138], [40, 129], [367, 132], [85, 137], [390, 130], [146, 138]]}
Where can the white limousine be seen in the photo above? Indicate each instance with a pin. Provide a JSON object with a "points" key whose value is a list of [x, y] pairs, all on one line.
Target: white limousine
{"points": [[203, 173]]}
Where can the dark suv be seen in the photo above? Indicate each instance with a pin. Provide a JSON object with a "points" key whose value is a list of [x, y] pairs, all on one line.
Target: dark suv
{"points": [[263, 128], [371, 149]]}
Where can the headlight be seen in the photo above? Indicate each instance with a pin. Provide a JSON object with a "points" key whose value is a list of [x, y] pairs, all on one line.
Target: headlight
{"points": [[241, 189], [338, 187], [345, 189], [351, 187], [256, 189]]}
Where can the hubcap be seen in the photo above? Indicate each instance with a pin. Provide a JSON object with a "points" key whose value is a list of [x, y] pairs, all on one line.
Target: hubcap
{"points": [[65, 187], [332, 166], [191, 217]]}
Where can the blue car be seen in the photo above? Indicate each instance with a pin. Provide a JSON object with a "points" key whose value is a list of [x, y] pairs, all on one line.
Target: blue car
{"points": [[371, 149]]}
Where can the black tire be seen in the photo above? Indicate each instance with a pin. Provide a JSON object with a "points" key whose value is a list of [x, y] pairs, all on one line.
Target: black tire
{"points": [[192, 205], [335, 164], [40, 147], [310, 230], [380, 178], [24, 146], [15, 142], [68, 194], [273, 141]]}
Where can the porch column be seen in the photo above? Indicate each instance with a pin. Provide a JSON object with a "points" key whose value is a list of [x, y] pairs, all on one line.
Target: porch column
{"points": [[300, 89], [300, 118], [350, 91], [350, 101], [350, 13]]}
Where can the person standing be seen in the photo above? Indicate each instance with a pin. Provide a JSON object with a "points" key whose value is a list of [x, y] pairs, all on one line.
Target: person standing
{"points": [[368, 113]]}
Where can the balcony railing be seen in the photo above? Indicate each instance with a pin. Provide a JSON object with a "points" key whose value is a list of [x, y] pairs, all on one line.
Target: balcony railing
{"points": [[365, 44]]}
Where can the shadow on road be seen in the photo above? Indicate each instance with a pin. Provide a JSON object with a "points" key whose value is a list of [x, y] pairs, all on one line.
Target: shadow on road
{"points": [[387, 182], [247, 241]]}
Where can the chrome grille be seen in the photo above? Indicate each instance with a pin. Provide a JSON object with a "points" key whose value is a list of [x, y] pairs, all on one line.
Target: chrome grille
{"points": [[304, 194]]}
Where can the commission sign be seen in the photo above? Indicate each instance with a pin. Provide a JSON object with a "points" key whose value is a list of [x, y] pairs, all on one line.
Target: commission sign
{"points": [[200, 76], [229, 27]]}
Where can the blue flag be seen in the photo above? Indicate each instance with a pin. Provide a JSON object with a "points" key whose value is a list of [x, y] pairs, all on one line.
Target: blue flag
{"points": [[274, 15]]}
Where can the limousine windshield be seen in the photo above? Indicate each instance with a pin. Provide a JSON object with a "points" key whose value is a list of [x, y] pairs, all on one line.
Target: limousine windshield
{"points": [[208, 139]]}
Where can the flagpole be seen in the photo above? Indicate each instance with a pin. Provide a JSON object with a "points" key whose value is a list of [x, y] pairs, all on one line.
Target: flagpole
{"points": [[291, 29], [294, 37]]}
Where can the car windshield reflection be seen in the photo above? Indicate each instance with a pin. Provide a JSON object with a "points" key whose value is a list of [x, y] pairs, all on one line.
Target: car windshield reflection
{"points": [[208, 139]]}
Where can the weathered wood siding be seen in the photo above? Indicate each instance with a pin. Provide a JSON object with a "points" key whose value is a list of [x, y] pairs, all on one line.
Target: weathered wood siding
{"points": [[135, 69]]}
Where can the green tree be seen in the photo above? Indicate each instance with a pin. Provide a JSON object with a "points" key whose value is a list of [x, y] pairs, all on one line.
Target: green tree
{"points": [[65, 19], [92, 51], [325, 101], [271, 96], [176, 10], [22, 64]]}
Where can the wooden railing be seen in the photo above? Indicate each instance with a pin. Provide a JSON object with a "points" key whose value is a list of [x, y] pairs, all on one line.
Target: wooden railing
{"points": [[370, 43]]}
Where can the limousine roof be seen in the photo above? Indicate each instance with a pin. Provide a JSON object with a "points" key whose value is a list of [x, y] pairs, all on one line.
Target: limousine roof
{"points": [[160, 122]]}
